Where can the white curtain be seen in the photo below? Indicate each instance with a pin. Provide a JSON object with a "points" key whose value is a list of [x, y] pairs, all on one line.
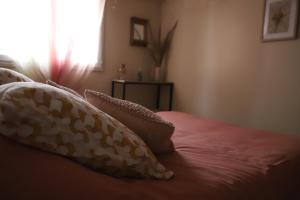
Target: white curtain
{"points": [[52, 33]]}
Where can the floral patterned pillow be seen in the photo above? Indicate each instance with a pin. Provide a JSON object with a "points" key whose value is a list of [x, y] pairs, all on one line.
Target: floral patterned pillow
{"points": [[56, 121], [8, 76]]}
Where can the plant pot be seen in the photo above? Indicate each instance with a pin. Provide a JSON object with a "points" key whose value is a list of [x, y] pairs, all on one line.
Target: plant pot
{"points": [[157, 73]]}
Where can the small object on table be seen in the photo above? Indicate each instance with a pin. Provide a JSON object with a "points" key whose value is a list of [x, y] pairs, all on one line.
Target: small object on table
{"points": [[122, 72], [140, 74], [157, 73]]}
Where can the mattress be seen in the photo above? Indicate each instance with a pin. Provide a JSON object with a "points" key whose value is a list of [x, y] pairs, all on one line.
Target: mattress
{"points": [[212, 161]]}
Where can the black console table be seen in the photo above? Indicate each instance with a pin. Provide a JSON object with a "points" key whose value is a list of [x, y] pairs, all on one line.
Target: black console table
{"points": [[124, 83]]}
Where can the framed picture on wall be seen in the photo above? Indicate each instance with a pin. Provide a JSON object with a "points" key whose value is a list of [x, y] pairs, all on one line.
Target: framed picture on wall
{"points": [[138, 32], [280, 20]]}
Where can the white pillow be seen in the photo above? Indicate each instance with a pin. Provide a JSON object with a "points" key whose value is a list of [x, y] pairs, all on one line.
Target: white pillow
{"points": [[8, 76]]}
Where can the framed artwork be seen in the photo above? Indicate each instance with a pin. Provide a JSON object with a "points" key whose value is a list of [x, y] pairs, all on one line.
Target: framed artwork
{"points": [[280, 20], [138, 32]]}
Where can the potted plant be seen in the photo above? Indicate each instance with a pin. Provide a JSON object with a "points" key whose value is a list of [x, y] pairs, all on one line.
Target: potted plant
{"points": [[158, 49]]}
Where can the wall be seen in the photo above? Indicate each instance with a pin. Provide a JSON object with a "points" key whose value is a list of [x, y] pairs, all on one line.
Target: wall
{"points": [[223, 71], [117, 49]]}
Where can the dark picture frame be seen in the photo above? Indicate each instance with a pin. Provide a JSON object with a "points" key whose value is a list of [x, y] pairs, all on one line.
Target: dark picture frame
{"points": [[138, 32], [280, 20]]}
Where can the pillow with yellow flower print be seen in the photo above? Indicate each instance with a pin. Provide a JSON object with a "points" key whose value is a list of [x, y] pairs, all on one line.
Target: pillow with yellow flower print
{"points": [[57, 121], [8, 76]]}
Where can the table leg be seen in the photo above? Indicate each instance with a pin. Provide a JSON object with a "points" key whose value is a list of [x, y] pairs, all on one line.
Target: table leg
{"points": [[124, 91], [113, 89], [158, 97], [171, 98]]}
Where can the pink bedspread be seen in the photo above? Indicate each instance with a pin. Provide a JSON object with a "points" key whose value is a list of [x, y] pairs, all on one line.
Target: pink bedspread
{"points": [[213, 160]]}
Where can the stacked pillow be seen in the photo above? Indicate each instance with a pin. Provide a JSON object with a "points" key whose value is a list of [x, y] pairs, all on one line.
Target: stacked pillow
{"points": [[9, 76], [7, 62], [155, 131], [57, 121]]}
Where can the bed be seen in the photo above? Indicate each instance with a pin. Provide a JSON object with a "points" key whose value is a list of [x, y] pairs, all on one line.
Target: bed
{"points": [[212, 161]]}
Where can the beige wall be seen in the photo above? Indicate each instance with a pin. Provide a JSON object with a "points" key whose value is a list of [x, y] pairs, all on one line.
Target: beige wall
{"points": [[223, 71], [117, 49]]}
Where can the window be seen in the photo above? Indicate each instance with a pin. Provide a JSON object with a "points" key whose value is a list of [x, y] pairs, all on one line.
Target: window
{"points": [[52, 33]]}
